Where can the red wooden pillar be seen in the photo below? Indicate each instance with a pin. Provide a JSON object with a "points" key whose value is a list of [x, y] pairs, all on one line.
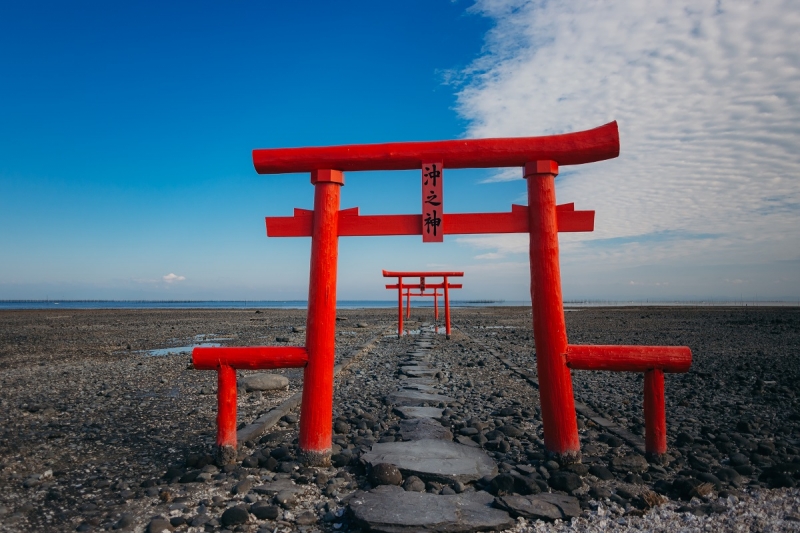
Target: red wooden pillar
{"points": [[316, 412], [399, 306], [446, 308], [408, 303], [549, 329], [655, 413], [436, 304], [226, 414]]}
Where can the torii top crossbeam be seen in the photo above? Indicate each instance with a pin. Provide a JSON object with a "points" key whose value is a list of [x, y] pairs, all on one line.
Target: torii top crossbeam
{"points": [[422, 285], [575, 148]]}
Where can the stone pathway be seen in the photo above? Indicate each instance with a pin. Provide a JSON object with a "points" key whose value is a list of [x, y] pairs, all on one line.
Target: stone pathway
{"points": [[429, 453], [391, 509]]}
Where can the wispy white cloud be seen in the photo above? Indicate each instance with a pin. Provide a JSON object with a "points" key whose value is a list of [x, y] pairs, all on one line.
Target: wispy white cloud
{"points": [[504, 174], [490, 255], [173, 278], [707, 96], [510, 243]]}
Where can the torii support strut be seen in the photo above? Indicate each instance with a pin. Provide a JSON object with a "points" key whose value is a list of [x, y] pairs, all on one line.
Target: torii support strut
{"points": [[445, 285], [540, 156]]}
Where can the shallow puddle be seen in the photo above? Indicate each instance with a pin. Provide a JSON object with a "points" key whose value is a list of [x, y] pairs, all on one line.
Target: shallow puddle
{"points": [[160, 352]]}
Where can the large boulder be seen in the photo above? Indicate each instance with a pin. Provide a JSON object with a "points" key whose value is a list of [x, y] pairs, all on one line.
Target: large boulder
{"points": [[264, 382]]}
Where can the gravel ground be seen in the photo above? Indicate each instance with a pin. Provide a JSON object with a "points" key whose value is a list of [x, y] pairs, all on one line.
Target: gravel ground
{"points": [[97, 435]]}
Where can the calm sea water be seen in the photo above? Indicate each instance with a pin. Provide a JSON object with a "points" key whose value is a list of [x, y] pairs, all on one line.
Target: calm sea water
{"points": [[342, 304]]}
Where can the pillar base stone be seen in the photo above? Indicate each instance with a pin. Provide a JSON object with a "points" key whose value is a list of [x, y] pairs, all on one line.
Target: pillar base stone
{"points": [[656, 458], [310, 458], [566, 458], [226, 455]]}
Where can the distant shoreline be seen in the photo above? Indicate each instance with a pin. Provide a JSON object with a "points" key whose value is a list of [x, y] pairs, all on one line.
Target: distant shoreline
{"points": [[362, 304]]}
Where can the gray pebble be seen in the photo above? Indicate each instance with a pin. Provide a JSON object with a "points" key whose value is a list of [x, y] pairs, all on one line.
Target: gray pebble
{"points": [[414, 484], [385, 474], [286, 499], [159, 525], [234, 516]]}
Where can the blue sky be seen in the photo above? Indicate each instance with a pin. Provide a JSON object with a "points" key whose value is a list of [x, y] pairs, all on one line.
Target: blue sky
{"points": [[126, 133]]}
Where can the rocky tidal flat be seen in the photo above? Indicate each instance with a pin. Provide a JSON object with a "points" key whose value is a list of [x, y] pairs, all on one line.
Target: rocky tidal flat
{"points": [[430, 434]]}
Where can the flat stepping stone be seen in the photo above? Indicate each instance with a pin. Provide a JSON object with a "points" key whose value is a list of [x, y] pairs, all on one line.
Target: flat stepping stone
{"points": [[418, 371], [421, 388], [408, 382], [417, 366], [418, 412], [390, 509], [411, 397], [544, 506], [434, 460], [414, 363], [423, 428]]}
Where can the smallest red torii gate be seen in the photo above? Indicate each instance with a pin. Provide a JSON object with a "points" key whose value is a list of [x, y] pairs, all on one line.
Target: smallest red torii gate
{"points": [[445, 285]]}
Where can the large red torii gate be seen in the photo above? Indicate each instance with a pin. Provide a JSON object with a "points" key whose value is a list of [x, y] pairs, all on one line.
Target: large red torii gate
{"points": [[445, 285], [540, 158]]}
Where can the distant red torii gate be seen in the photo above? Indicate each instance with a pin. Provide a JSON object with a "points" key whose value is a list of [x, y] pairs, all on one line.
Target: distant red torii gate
{"points": [[445, 285], [540, 158]]}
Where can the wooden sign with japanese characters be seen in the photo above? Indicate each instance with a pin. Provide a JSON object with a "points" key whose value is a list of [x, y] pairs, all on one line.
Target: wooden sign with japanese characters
{"points": [[432, 203]]}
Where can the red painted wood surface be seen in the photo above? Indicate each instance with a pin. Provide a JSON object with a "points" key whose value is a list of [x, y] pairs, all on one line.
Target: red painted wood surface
{"points": [[446, 308], [655, 413], [388, 274], [549, 330], [433, 202], [429, 286], [399, 305], [351, 224], [629, 358], [249, 357], [575, 148], [316, 415], [226, 406]]}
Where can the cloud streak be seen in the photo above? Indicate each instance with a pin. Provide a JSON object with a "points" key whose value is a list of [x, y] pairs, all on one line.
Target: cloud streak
{"points": [[707, 96]]}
